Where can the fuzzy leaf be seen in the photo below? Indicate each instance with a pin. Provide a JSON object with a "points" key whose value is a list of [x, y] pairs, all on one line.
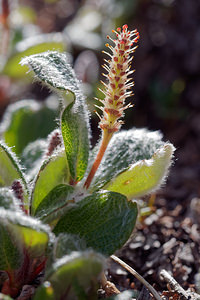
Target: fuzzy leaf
{"points": [[29, 46], [10, 170], [75, 139], [19, 233], [54, 69], [55, 203], [124, 149], [105, 220], [145, 176], [53, 172], [75, 276], [26, 121]]}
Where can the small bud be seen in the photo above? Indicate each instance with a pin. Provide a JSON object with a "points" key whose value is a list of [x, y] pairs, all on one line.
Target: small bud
{"points": [[54, 140], [17, 188]]}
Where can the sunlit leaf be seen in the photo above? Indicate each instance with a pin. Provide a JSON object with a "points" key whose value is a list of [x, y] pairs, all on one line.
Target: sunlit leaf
{"points": [[54, 69], [76, 143], [144, 176], [20, 233], [53, 172], [125, 148]]}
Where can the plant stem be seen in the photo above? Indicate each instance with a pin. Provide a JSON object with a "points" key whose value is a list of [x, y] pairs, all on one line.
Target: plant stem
{"points": [[104, 143], [138, 276]]}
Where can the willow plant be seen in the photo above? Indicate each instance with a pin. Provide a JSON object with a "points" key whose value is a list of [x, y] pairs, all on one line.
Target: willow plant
{"points": [[65, 207]]}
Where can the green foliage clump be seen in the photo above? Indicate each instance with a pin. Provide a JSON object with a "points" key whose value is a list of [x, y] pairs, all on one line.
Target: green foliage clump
{"points": [[51, 224]]}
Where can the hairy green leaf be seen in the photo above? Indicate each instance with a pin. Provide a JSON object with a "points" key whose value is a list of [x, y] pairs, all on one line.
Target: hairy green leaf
{"points": [[29, 46], [53, 172], [105, 220], [54, 69], [76, 276], [21, 233], [55, 203], [26, 121], [10, 170], [145, 176], [124, 149], [75, 140]]}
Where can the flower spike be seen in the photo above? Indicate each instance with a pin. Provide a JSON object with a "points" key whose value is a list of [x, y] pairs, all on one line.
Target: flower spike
{"points": [[118, 68], [116, 90]]}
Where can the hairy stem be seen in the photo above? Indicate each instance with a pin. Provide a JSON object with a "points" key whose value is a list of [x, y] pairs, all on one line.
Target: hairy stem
{"points": [[138, 276], [104, 143]]}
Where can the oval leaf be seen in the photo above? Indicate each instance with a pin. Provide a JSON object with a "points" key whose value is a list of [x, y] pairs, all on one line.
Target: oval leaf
{"points": [[54, 69], [53, 172], [145, 176], [76, 276], [19, 233], [125, 148], [75, 140], [105, 220]]}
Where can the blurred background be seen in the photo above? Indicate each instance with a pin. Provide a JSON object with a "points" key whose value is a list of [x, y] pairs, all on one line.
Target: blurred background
{"points": [[167, 63]]}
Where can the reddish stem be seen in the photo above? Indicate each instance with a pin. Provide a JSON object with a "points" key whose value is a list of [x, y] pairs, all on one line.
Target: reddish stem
{"points": [[104, 143], [9, 286]]}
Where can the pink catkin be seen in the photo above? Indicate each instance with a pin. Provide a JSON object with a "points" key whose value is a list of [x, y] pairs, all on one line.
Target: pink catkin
{"points": [[119, 83]]}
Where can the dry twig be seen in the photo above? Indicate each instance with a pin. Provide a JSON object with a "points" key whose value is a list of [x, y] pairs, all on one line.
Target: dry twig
{"points": [[138, 276]]}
